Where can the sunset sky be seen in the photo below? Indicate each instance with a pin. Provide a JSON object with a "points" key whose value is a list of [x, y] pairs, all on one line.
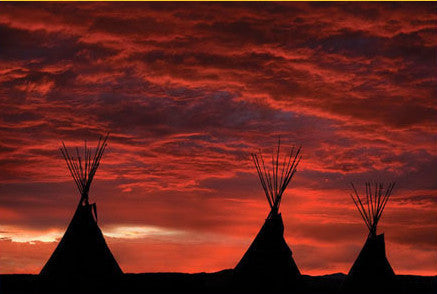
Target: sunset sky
{"points": [[187, 91]]}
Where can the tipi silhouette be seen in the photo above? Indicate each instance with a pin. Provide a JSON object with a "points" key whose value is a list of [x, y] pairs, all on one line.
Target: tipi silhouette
{"points": [[371, 269], [82, 251], [269, 260]]}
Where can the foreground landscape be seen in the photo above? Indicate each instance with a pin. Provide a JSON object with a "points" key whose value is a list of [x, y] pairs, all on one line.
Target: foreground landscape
{"points": [[220, 282]]}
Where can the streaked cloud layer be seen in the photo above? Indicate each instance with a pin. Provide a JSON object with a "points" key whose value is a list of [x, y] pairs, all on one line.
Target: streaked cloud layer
{"points": [[187, 90]]}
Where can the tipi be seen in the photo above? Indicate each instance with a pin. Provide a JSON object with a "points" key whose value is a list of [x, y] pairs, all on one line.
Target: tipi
{"points": [[371, 268], [82, 251], [269, 259]]}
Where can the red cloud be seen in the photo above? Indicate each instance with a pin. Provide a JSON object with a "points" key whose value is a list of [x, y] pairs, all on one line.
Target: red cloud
{"points": [[187, 92]]}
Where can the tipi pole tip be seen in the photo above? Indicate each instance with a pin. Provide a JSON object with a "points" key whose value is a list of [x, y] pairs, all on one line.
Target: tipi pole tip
{"points": [[372, 204], [275, 179]]}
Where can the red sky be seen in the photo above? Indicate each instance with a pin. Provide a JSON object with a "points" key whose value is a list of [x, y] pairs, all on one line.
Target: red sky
{"points": [[187, 90]]}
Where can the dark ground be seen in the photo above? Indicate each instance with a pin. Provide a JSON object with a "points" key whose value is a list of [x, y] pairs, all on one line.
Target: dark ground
{"points": [[220, 282]]}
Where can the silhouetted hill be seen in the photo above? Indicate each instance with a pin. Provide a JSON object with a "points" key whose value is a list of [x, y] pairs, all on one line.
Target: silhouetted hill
{"points": [[219, 282]]}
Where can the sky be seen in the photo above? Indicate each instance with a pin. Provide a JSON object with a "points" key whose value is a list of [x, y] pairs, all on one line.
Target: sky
{"points": [[187, 91]]}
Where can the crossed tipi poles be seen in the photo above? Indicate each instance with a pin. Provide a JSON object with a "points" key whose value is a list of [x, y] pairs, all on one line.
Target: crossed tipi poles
{"points": [[83, 167], [372, 205], [275, 180]]}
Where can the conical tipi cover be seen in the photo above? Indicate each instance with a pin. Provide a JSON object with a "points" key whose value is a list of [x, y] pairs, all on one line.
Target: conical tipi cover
{"points": [[269, 255], [82, 251], [371, 264]]}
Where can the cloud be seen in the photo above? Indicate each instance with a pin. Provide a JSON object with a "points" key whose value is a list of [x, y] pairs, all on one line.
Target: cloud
{"points": [[187, 92]]}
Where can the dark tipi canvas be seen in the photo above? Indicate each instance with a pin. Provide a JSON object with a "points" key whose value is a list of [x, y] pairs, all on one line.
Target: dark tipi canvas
{"points": [[371, 269], [269, 258], [82, 251], [372, 261], [269, 254]]}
